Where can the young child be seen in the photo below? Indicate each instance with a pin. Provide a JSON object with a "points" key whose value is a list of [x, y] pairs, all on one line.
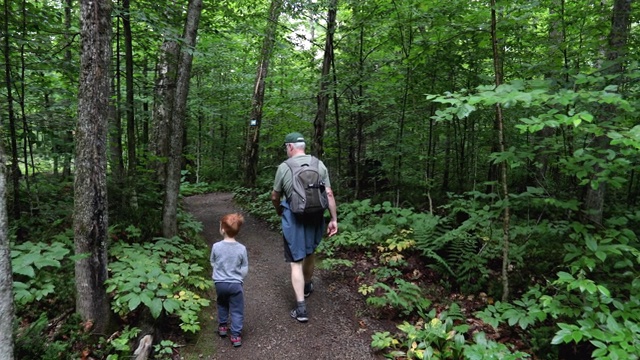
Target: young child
{"points": [[230, 266]]}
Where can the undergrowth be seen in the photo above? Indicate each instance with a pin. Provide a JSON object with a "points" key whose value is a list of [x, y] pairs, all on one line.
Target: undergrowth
{"points": [[164, 277], [591, 304]]}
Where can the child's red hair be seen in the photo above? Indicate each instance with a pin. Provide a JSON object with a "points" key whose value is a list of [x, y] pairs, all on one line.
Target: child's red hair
{"points": [[231, 224]]}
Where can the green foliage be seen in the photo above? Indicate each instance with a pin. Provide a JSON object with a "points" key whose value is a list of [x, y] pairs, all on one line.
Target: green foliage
{"points": [[331, 263], [364, 225], [189, 189], [484, 349], [122, 343], [439, 337], [460, 253], [257, 204], [597, 300], [33, 267], [522, 312], [165, 350], [405, 297], [34, 341], [188, 226], [384, 273], [161, 276]]}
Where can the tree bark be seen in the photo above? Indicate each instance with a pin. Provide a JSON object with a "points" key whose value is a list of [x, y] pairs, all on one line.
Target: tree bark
{"points": [[117, 161], [90, 217], [253, 132], [499, 122], [165, 89], [323, 95], [615, 53], [129, 106], [6, 275], [15, 169], [174, 164]]}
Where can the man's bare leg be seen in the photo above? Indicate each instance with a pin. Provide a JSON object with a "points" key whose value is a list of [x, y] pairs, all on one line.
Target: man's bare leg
{"points": [[297, 280], [308, 265]]}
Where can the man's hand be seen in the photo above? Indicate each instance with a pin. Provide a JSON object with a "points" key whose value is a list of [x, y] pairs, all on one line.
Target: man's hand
{"points": [[332, 228]]}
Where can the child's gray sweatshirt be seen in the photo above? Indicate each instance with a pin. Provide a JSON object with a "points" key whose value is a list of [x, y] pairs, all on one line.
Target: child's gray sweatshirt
{"points": [[229, 262]]}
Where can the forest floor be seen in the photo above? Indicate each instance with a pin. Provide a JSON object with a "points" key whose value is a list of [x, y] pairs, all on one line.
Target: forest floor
{"points": [[338, 326]]}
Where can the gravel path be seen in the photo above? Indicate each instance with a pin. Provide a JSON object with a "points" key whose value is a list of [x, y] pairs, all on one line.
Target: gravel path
{"points": [[336, 328]]}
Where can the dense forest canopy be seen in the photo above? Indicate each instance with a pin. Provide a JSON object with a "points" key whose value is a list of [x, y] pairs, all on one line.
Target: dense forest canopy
{"points": [[513, 123]]}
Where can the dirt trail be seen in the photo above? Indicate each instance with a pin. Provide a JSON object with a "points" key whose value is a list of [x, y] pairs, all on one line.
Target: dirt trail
{"points": [[335, 329]]}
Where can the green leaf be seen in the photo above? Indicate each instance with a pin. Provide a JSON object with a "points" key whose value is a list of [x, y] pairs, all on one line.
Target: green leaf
{"points": [[171, 305], [47, 262], [464, 111], [576, 121], [592, 244], [156, 307], [604, 291], [26, 270], [565, 276], [561, 337], [134, 302], [577, 336]]}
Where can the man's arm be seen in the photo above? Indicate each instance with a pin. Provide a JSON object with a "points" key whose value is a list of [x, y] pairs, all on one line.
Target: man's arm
{"points": [[332, 228], [275, 200]]}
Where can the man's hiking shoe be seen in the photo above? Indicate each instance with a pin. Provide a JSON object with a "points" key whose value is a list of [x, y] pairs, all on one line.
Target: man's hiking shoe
{"points": [[222, 330], [236, 341], [299, 315], [308, 289]]}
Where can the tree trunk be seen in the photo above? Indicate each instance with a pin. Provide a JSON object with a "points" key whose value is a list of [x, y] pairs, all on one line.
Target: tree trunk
{"points": [[144, 138], [503, 165], [165, 90], [129, 106], [615, 53], [117, 162], [253, 132], [174, 164], [26, 143], [68, 72], [15, 169], [131, 177], [6, 278], [323, 96], [90, 218], [336, 114]]}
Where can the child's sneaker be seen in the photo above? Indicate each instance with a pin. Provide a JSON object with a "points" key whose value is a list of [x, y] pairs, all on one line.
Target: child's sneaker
{"points": [[235, 340], [222, 330], [308, 289], [300, 315]]}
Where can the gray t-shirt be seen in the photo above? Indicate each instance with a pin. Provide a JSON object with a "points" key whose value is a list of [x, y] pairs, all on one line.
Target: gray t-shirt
{"points": [[229, 261], [283, 182]]}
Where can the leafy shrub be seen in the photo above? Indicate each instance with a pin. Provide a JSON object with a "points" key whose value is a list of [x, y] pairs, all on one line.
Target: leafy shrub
{"points": [[189, 189], [121, 343], [161, 276], [164, 350], [258, 204], [483, 349], [37, 341], [32, 265], [405, 297], [439, 337], [595, 302]]}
